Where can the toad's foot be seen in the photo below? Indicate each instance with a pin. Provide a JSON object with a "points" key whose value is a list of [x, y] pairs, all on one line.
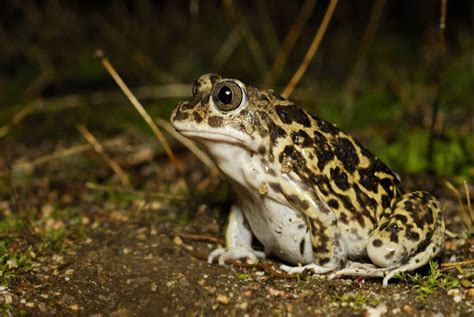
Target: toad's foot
{"points": [[235, 253], [317, 269], [359, 269]]}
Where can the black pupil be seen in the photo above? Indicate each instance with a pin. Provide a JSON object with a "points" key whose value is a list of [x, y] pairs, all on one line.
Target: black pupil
{"points": [[225, 95]]}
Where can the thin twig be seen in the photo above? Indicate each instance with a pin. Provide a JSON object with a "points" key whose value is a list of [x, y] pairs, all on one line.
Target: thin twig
{"points": [[367, 39], [440, 68], [104, 155], [311, 51], [254, 46], [198, 237], [239, 23], [27, 166], [229, 12], [290, 41], [138, 106], [228, 47], [187, 143], [267, 25], [468, 201], [19, 116], [466, 219], [452, 265], [112, 189], [212, 177], [113, 97]]}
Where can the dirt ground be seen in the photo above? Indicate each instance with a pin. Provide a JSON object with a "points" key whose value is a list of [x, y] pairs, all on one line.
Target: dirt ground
{"points": [[125, 254]]}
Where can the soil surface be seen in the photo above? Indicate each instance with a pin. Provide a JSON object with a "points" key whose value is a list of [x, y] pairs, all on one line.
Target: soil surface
{"points": [[131, 255]]}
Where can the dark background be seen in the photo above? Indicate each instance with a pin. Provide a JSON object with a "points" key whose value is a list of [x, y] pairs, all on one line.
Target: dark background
{"points": [[48, 51]]}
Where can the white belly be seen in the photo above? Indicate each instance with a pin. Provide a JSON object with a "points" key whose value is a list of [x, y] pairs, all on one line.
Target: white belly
{"points": [[280, 229]]}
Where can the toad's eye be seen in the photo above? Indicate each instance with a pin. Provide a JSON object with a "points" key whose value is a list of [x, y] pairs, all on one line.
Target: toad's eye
{"points": [[227, 95]]}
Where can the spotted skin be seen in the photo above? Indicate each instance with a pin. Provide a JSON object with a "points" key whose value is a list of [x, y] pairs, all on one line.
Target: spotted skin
{"points": [[348, 204]]}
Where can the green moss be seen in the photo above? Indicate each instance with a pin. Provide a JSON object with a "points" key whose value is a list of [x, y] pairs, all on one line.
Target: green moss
{"points": [[13, 262], [354, 301], [434, 281]]}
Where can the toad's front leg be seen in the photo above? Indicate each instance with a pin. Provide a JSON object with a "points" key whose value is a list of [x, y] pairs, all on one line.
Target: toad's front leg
{"points": [[328, 253], [238, 241]]}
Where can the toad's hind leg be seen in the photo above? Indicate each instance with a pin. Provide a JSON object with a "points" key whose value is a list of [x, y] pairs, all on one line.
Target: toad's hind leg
{"points": [[423, 256], [409, 234], [408, 237]]}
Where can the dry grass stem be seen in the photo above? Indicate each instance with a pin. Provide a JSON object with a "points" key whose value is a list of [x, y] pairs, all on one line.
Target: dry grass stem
{"points": [[28, 166], [104, 155], [451, 265], [187, 143], [212, 178], [466, 218], [254, 46], [113, 189], [311, 51], [104, 97], [197, 237], [19, 116], [228, 47], [468, 201], [290, 41], [439, 84], [367, 39], [229, 11], [138, 106]]}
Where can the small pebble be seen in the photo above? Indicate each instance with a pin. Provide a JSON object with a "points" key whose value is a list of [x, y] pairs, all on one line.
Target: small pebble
{"points": [[466, 283], [178, 241], [457, 298], [410, 309], [470, 293], [74, 307], [223, 299], [275, 292]]}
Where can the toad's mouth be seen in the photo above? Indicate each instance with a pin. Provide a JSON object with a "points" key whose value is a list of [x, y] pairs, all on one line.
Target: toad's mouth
{"points": [[216, 137]]}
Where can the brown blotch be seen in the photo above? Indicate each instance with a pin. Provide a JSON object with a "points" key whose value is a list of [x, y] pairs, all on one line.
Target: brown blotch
{"points": [[274, 130], [298, 202], [324, 261], [302, 245], [346, 153], [333, 204], [325, 126], [389, 255], [262, 150], [276, 187], [197, 117], [340, 178], [180, 115], [343, 218], [301, 138], [377, 243], [413, 236], [290, 114], [215, 121]]}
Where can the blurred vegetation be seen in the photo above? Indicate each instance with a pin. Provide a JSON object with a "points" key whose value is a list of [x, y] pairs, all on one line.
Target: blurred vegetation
{"points": [[386, 101]]}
